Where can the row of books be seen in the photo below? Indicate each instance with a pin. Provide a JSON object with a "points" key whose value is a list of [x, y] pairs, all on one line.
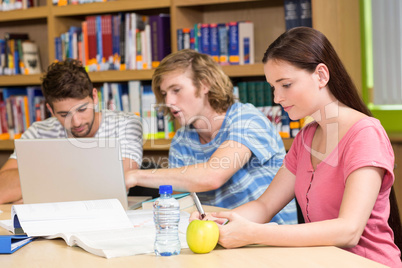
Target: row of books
{"points": [[6, 5], [228, 43], [74, 2], [137, 97], [125, 41], [259, 93], [19, 55], [297, 13], [19, 108]]}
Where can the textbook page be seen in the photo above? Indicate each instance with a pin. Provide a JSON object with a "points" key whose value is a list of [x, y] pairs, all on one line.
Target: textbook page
{"points": [[48, 219]]}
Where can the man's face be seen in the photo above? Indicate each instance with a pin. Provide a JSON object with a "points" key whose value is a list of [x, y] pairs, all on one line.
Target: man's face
{"points": [[76, 116]]}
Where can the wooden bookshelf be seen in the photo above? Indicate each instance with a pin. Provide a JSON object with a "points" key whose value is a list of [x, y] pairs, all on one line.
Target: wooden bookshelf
{"points": [[46, 21]]}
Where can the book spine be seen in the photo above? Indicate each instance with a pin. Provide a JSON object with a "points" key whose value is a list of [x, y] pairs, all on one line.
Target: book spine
{"points": [[305, 13], [205, 45], [153, 23], [107, 42], [99, 46], [251, 93], [259, 93], [180, 39], [223, 44], [234, 56], [292, 18], [246, 42], [164, 44], [242, 92], [186, 38], [92, 46], [214, 41]]}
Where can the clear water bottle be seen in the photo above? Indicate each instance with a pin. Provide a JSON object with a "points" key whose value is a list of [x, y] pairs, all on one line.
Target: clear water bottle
{"points": [[166, 218]]}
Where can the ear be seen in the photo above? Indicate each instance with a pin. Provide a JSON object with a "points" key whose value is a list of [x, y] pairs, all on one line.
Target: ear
{"points": [[322, 73], [95, 96], [50, 109], [204, 88]]}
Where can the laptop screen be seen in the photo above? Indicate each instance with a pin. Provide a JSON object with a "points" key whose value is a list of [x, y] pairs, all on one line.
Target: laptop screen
{"points": [[57, 170]]}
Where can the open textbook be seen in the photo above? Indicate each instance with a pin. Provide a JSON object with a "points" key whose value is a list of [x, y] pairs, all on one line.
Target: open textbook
{"points": [[101, 227]]}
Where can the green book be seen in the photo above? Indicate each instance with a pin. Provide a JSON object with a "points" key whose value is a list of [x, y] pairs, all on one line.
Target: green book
{"points": [[242, 92], [259, 89], [251, 93]]}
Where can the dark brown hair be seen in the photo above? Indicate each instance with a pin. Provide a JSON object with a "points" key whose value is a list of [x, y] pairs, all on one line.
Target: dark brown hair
{"points": [[66, 79], [305, 48], [203, 70]]}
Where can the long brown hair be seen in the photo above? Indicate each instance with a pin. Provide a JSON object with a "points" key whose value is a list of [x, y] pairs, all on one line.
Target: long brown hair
{"points": [[305, 48]]}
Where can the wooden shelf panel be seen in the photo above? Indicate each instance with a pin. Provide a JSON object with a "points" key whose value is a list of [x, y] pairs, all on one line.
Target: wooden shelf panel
{"points": [[149, 145], [244, 70], [109, 7], [40, 12], [120, 76], [183, 3], [20, 80]]}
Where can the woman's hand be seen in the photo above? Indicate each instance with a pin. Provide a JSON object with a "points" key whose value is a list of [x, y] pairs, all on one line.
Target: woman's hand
{"points": [[236, 231]]}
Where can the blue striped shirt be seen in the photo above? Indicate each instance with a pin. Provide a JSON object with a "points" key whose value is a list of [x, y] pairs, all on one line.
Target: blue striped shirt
{"points": [[243, 123]]}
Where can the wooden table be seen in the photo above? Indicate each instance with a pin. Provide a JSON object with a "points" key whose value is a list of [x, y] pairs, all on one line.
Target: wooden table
{"points": [[55, 253]]}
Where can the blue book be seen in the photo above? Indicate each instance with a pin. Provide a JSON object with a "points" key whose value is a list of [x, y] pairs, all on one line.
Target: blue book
{"points": [[214, 41], [180, 39], [234, 53], [10, 243], [99, 46], [292, 13], [223, 43], [205, 47], [305, 13]]}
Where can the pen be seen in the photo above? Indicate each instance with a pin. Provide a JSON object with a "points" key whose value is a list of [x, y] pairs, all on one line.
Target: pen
{"points": [[198, 205]]}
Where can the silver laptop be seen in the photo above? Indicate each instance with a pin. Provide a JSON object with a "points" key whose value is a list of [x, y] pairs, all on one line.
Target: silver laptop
{"points": [[58, 170]]}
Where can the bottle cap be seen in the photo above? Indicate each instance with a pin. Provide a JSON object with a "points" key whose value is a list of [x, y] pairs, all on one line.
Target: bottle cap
{"points": [[165, 189]]}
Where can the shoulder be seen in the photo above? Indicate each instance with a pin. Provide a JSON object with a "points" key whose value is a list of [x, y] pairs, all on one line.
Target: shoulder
{"points": [[110, 117], [49, 128]]}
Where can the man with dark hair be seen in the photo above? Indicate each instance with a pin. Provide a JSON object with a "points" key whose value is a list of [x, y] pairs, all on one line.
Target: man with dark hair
{"points": [[72, 100]]}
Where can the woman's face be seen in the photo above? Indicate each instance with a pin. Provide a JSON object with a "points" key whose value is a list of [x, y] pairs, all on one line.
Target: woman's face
{"points": [[295, 89]]}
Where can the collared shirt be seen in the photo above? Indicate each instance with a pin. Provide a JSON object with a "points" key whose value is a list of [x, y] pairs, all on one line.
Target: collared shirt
{"points": [[243, 123]]}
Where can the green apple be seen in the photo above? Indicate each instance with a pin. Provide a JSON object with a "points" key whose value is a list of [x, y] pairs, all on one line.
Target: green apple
{"points": [[202, 236]]}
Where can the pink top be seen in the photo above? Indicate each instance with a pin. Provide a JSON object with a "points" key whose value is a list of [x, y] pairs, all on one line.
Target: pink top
{"points": [[319, 192]]}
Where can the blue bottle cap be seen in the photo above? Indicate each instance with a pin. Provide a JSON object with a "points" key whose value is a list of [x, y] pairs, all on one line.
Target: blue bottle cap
{"points": [[165, 189]]}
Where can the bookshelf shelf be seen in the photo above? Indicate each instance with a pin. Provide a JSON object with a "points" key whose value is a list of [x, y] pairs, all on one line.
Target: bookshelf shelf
{"points": [[120, 76], [40, 12], [244, 70], [109, 7], [20, 80], [184, 3], [149, 145]]}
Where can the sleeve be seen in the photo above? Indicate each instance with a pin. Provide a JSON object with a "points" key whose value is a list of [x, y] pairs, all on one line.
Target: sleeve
{"points": [[131, 140], [292, 157], [290, 160], [30, 133], [252, 129], [370, 146]]}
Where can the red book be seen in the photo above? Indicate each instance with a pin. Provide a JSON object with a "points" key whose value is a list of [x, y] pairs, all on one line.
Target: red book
{"points": [[92, 47], [107, 41]]}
